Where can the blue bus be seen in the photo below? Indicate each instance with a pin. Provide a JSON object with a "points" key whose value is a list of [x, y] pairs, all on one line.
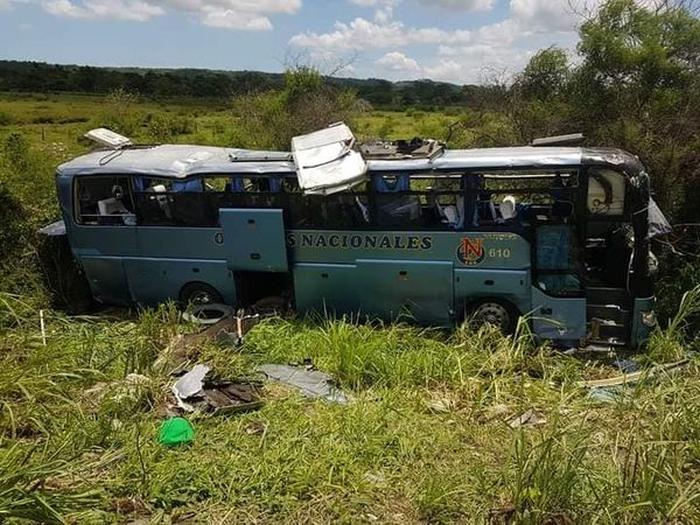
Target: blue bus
{"points": [[436, 236]]}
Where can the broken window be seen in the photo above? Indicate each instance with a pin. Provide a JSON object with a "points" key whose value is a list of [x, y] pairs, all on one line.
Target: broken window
{"points": [[521, 197], [105, 201], [606, 192], [406, 200]]}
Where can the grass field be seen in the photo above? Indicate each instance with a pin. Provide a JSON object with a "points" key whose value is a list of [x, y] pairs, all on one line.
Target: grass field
{"points": [[426, 438]]}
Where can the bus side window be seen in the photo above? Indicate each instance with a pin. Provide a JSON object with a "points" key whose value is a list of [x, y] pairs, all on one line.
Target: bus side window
{"points": [[421, 201], [166, 202], [104, 201], [396, 207]]}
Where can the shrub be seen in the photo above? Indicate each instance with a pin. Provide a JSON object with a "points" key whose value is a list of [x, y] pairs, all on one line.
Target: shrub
{"points": [[269, 120], [6, 119]]}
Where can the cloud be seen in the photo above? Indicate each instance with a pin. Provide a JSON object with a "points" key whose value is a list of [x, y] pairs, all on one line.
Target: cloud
{"points": [[104, 9], [462, 5], [361, 34], [397, 61], [230, 14]]}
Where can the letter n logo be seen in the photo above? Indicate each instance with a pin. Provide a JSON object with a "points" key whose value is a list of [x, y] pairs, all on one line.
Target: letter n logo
{"points": [[471, 251]]}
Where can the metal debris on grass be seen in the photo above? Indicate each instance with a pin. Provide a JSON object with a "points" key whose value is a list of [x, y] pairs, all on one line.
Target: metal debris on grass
{"points": [[311, 383]]}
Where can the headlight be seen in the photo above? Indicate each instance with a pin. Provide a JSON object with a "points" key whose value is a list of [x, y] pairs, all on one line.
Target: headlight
{"points": [[649, 318]]}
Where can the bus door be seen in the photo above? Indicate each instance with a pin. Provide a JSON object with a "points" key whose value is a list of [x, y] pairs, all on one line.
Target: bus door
{"points": [[558, 297], [254, 239]]}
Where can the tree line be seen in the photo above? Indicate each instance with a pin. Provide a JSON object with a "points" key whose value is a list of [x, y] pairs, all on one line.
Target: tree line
{"points": [[201, 83]]}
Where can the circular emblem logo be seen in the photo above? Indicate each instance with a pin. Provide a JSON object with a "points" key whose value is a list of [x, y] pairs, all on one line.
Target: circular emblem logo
{"points": [[470, 252], [219, 238]]}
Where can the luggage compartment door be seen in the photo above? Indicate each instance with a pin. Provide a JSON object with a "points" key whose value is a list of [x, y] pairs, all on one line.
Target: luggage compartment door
{"points": [[254, 239], [421, 291]]}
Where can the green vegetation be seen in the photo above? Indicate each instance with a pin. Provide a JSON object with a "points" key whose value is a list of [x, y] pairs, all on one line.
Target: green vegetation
{"points": [[426, 437]]}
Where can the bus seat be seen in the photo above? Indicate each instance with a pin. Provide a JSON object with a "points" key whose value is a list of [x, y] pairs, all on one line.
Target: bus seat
{"points": [[275, 184], [194, 185], [453, 215], [140, 183], [401, 183], [508, 208], [111, 206], [235, 185]]}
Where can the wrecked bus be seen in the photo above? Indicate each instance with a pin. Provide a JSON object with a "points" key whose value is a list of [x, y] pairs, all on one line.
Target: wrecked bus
{"points": [[403, 230]]}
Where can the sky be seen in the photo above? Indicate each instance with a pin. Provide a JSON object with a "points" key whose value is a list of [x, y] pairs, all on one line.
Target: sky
{"points": [[461, 41]]}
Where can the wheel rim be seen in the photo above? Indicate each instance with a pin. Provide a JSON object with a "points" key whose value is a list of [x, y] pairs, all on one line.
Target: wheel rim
{"points": [[492, 313], [201, 297]]}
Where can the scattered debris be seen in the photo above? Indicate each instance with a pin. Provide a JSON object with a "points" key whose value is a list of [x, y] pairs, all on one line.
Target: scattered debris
{"points": [[603, 395], [610, 390], [311, 382], [627, 366], [194, 392], [176, 431], [634, 377], [527, 419], [229, 330], [190, 385]]}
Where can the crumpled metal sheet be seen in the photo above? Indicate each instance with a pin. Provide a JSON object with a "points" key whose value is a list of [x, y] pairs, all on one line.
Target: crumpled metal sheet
{"points": [[190, 385], [325, 161], [311, 383]]}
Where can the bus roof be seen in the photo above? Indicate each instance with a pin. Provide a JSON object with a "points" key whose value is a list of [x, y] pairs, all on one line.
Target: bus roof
{"points": [[180, 161]]}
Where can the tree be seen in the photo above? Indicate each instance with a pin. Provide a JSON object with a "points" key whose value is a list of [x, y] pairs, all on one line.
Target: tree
{"points": [[638, 87], [538, 101]]}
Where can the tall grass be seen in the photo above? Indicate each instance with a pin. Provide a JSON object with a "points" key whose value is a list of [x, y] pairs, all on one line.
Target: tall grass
{"points": [[671, 343]]}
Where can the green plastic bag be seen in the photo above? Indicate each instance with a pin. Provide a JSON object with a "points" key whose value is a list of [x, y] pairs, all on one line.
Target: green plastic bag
{"points": [[176, 431]]}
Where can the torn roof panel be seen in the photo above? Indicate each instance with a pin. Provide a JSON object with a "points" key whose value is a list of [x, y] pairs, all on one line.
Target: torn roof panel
{"points": [[325, 161]]}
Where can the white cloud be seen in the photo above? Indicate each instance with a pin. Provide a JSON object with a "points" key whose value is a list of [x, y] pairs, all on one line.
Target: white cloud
{"points": [[397, 61], [457, 55], [361, 34], [459, 5], [104, 9], [231, 14]]}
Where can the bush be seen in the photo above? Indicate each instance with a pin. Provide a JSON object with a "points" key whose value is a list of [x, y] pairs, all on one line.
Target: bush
{"points": [[269, 120], [162, 127], [119, 114], [6, 119]]}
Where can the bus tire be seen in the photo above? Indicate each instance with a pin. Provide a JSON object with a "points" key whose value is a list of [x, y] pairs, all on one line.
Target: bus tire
{"points": [[199, 294], [501, 314]]}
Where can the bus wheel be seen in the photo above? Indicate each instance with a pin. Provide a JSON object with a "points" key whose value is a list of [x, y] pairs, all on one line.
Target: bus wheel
{"points": [[199, 294], [496, 313]]}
